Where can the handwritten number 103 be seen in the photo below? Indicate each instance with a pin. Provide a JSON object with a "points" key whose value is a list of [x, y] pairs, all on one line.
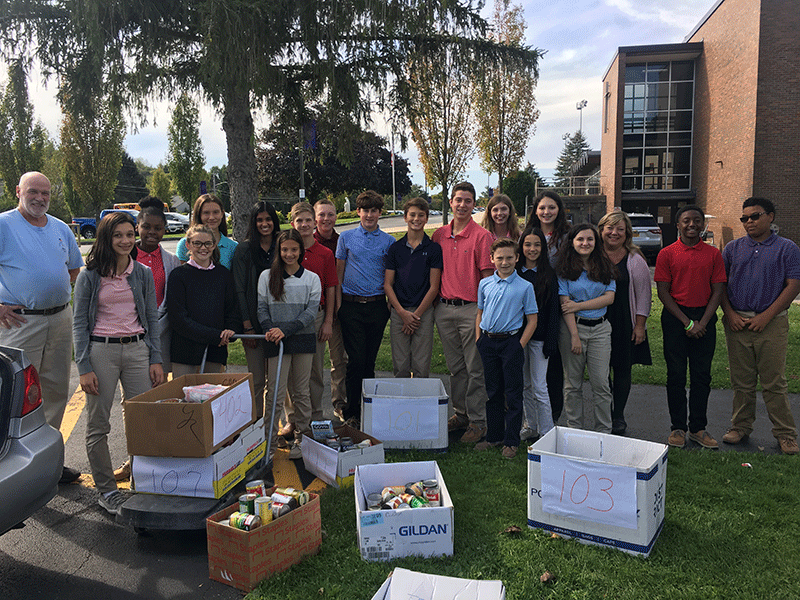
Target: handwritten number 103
{"points": [[579, 491]]}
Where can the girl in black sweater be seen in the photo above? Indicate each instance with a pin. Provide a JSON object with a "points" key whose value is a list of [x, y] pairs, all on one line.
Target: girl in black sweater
{"points": [[201, 302]]}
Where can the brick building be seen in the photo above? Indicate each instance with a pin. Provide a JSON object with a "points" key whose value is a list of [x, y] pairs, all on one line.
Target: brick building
{"points": [[711, 121]]}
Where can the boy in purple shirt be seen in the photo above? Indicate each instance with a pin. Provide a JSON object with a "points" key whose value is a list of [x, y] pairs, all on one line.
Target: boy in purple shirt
{"points": [[763, 278]]}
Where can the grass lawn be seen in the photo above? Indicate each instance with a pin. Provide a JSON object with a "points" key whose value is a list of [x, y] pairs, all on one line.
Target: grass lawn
{"points": [[730, 533], [655, 374]]}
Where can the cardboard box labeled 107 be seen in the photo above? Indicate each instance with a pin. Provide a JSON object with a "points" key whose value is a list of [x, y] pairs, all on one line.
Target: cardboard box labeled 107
{"points": [[182, 429], [598, 488], [388, 534]]}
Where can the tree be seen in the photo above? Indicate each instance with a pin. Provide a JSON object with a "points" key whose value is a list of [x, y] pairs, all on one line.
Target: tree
{"points": [[369, 167], [186, 158], [440, 115], [92, 153], [247, 54], [574, 145], [522, 187], [131, 185], [505, 107], [21, 141], [161, 185]]}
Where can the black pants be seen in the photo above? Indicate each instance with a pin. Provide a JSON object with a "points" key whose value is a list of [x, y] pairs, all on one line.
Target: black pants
{"points": [[698, 352], [555, 384], [363, 325], [503, 362]]}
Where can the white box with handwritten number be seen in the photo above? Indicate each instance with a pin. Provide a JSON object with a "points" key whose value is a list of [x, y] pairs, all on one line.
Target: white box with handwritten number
{"points": [[598, 488], [405, 413]]}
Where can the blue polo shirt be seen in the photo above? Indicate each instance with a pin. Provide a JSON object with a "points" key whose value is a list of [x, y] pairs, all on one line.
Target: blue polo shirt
{"points": [[505, 302], [583, 289], [364, 253], [412, 268]]}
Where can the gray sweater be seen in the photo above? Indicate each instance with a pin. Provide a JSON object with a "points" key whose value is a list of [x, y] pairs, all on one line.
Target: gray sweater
{"points": [[294, 314]]}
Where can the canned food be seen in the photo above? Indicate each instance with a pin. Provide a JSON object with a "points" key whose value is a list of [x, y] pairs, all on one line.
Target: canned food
{"points": [[364, 444], [257, 486], [244, 521], [374, 501], [332, 437], [264, 509], [301, 496], [247, 503], [333, 444], [432, 492], [345, 444], [280, 509], [394, 502], [415, 487], [395, 489], [417, 502], [285, 499]]}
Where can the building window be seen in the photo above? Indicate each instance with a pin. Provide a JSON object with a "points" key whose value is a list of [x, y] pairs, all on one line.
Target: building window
{"points": [[657, 126]]}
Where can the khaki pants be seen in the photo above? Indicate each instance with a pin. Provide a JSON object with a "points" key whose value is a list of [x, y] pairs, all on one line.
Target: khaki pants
{"points": [[315, 384], [179, 369], [257, 365], [47, 342], [456, 325], [113, 364], [412, 353], [755, 356], [338, 357], [596, 356], [297, 369]]}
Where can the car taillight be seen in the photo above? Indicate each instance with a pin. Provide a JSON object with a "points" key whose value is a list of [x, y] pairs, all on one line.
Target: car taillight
{"points": [[656, 231], [33, 391]]}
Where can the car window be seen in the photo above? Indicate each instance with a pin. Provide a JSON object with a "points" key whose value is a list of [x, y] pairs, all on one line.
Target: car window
{"points": [[643, 222]]}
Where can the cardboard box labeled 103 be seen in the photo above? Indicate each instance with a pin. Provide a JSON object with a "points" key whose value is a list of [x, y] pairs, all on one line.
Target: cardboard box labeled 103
{"points": [[598, 488], [242, 559], [182, 429], [388, 534]]}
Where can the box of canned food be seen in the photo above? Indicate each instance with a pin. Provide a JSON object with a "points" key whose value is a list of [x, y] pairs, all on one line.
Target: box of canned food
{"points": [[334, 459], [403, 509], [191, 416], [242, 559], [598, 488], [209, 477], [406, 413]]}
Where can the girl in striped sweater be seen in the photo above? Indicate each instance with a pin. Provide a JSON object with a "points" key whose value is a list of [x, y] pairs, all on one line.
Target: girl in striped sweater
{"points": [[288, 301]]}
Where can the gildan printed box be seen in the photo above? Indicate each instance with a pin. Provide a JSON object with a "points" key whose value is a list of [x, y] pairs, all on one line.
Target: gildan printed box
{"points": [[338, 468], [242, 559], [182, 429], [403, 584], [210, 477], [406, 413], [388, 534], [598, 488]]}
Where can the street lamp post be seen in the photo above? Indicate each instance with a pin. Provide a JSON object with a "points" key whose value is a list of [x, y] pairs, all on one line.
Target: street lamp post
{"points": [[580, 106]]}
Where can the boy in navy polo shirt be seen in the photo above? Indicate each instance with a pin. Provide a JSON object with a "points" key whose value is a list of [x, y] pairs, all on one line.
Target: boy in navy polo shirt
{"points": [[360, 266], [505, 301], [413, 274]]}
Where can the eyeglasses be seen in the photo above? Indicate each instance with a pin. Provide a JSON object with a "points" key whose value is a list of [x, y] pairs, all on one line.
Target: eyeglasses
{"points": [[198, 245], [752, 217]]}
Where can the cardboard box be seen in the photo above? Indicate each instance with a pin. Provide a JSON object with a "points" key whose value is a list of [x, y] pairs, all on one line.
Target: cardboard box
{"points": [[598, 488], [242, 559], [406, 413], [179, 429], [338, 468], [210, 477], [403, 584], [388, 534]]}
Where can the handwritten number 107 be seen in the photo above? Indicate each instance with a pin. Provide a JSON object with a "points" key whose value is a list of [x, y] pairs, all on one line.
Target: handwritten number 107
{"points": [[576, 495]]}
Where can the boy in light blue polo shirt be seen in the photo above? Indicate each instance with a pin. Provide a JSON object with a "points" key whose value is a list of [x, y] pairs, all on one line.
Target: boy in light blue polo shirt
{"points": [[505, 302]]}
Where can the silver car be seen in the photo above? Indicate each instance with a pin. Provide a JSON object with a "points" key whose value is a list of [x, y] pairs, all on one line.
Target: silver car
{"points": [[176, 222], [31, 451], [646, 234]]}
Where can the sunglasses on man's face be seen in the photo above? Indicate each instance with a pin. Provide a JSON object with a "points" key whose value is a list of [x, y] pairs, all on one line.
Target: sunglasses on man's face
{"points": [[752, 217]]}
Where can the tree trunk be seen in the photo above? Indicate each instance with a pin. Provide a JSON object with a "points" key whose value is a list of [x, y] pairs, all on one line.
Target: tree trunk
{"points": [[445, 203], [237, 122]]}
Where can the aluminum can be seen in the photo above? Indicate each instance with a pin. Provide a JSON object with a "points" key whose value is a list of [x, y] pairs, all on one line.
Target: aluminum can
{"points": [[417, 502], [246, 522], [432, 492], [247, 503], [374, 501], [264, 509], [415, 487], [301, 496], [257, 486]]}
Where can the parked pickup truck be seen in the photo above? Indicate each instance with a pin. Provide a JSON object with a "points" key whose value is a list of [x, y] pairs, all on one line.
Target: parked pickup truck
{"points": [[88, 225]]}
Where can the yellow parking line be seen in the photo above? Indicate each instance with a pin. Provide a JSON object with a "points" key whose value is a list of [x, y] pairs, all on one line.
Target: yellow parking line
{"points": [[72, 413]]}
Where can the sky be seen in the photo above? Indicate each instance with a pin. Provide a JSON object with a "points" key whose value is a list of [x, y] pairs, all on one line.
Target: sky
{"points": [[579, 37]]}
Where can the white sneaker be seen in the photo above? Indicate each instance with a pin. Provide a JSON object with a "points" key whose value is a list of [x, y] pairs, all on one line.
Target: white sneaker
{"points": [[527, 433], [295, 452], [112, 503]]}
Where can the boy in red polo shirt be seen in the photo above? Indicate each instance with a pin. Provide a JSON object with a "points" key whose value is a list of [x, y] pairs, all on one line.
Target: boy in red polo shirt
{"points": [[690, 279]]}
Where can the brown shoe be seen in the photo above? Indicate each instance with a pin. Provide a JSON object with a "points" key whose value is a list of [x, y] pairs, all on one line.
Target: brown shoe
{"points": [[457, 422], [485, 445], [123, 473], [705, 440], [677, 439], [473, 434], [509, 451], [734, 436], [287, 430], [788, 445]]}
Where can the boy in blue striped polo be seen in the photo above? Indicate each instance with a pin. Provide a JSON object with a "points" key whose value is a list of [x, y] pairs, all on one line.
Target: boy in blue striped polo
{"points": [[505, 302]]}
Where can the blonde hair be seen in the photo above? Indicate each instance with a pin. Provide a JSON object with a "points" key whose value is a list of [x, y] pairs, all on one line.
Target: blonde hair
{"points": [[301, 207], [618, 216], [194, 230]]}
